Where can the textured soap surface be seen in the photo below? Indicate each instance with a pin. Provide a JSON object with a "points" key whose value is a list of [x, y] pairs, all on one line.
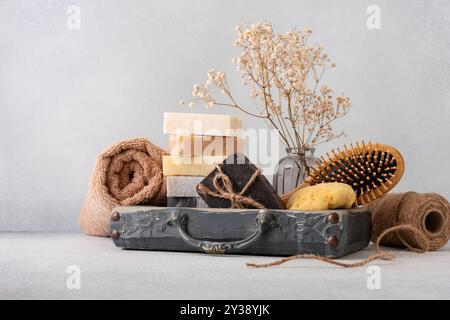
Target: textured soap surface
{"points": [[182, 186], [191, 145], [186, 202], [189, 166], [323, 196], [239, 169], [201, 124]]}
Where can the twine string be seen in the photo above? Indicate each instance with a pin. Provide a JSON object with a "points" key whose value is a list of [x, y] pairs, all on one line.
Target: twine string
{"points": [[398, 220], [224, 189], [379, 253], [421, 238]]}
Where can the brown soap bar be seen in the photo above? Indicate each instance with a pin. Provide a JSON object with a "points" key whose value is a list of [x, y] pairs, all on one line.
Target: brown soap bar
{"points": [[240, 170]]}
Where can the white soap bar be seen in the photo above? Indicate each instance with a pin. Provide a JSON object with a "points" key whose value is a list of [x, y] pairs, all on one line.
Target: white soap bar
{"points": [[190, 166], [201, 124], [182, 186]]}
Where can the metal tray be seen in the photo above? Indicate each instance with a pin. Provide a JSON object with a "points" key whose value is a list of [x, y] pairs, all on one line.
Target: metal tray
{"points": [[333, 233]]}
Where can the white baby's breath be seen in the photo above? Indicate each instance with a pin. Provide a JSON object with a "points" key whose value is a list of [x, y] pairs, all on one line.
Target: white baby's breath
{"points": [[283, 72]]}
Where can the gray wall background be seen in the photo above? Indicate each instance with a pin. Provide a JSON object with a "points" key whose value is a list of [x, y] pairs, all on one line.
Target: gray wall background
{"points": [[67, 94]]}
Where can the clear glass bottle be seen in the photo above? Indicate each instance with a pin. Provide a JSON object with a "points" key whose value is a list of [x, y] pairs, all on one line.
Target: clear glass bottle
{"points": [[292, 170]]}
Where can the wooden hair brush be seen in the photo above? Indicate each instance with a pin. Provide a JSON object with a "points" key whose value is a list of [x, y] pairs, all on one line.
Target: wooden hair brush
{"points": [[371, 169]]}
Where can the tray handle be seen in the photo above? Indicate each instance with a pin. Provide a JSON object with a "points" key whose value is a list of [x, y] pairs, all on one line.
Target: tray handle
{"points": [[264, 221]]}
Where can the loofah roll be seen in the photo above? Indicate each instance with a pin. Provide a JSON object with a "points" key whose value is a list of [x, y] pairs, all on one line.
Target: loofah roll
{"points": [[127, 173]]}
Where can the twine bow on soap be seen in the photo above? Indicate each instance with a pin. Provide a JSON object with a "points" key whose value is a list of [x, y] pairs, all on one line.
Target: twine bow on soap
{"points": [[225, 190]]}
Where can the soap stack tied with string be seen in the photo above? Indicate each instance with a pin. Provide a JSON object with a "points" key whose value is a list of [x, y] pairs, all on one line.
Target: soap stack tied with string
{"points": [[197, 143]]}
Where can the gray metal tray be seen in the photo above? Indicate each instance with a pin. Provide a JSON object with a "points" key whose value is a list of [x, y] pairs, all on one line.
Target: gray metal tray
{"points": [[333, 233]]}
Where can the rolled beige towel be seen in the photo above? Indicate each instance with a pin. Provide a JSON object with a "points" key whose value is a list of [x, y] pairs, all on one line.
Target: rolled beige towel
{"points": [[127, 173]]}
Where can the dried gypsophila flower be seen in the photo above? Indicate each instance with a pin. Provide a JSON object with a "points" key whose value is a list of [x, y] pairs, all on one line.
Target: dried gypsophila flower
{"points": [[284, 73]]}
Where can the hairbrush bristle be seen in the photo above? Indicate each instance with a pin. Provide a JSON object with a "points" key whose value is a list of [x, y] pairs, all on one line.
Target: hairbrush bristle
{"points": [[370, 169]]}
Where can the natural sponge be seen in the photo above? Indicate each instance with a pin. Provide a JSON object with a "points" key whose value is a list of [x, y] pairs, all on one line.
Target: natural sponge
{"points": [[323, 196]]}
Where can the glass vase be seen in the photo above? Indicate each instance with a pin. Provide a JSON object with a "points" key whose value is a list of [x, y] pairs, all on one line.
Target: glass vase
{"points": [[293, 169]]}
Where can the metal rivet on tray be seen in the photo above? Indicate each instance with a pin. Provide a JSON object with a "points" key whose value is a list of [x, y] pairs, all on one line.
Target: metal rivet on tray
{"points": [[115, 216], [333, 218], [115, 234], [333, 241]]}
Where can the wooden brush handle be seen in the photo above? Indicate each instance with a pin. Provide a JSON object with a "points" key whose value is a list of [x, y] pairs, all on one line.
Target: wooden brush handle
{"points": [[370, 169]]}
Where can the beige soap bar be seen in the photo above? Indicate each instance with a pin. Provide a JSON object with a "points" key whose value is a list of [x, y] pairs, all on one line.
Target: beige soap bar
{"points": [[201, 124], [190, 166], [195, 146]]}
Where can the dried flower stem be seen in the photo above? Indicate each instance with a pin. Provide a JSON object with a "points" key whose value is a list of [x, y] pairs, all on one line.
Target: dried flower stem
{"points": [[284, 73]]}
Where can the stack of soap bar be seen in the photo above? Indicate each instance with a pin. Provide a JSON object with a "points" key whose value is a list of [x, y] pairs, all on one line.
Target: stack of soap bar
{"points": [[197, 143], [240, 170]]}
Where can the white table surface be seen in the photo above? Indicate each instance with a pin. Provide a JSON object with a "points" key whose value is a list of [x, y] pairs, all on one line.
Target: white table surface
{"points": [[34, 266]]}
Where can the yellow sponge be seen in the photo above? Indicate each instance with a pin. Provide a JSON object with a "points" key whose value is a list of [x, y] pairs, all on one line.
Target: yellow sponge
{"points": [[323, 196]]}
